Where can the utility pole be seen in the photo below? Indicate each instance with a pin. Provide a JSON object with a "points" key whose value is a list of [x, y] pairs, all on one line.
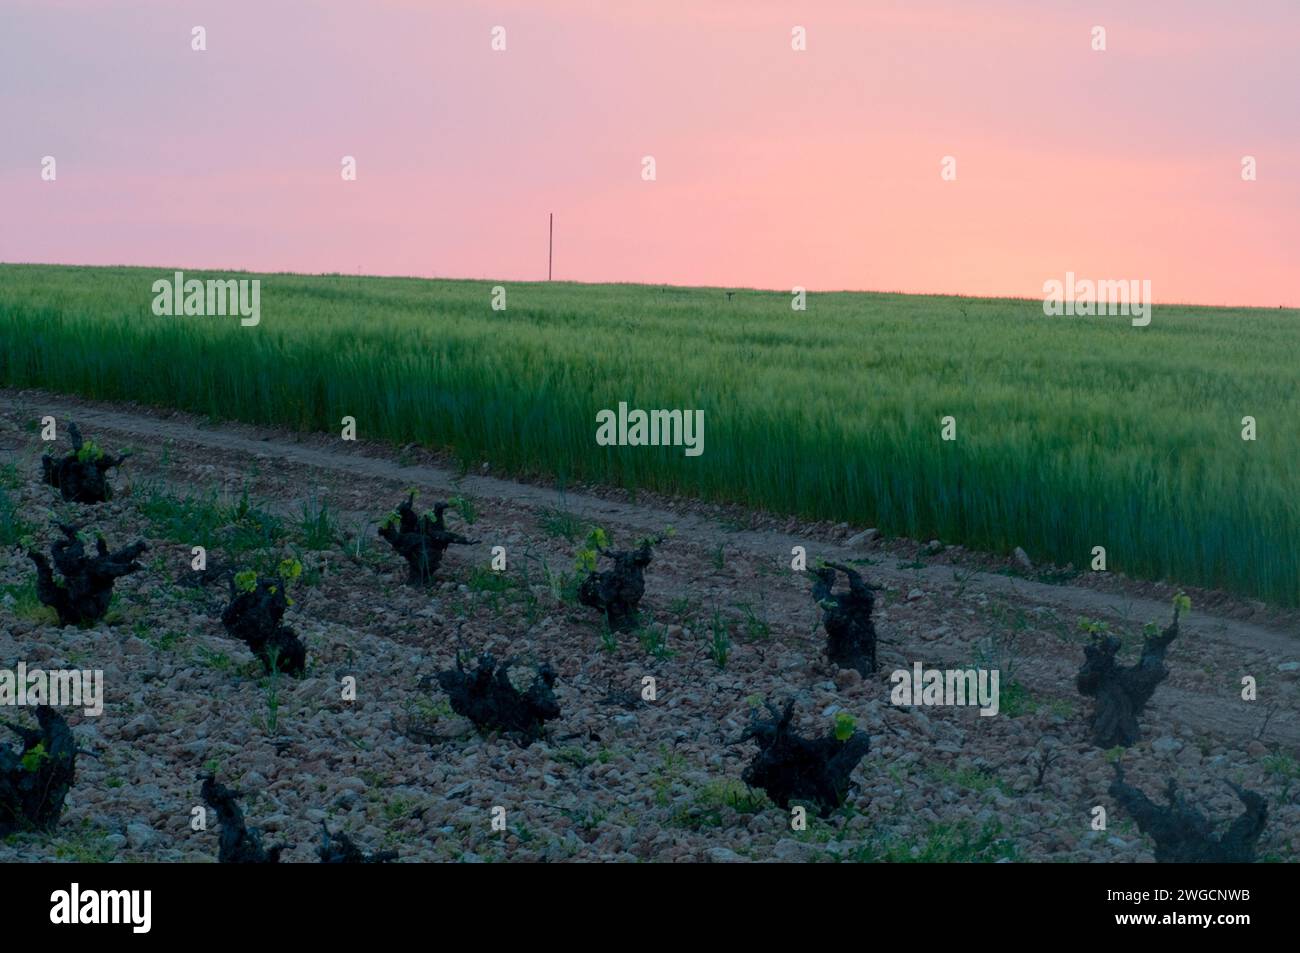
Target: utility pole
{"points": [[550, 249]]}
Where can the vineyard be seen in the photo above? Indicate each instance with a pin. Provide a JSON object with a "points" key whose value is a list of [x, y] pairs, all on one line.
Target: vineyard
{"points": [[362, 654]]}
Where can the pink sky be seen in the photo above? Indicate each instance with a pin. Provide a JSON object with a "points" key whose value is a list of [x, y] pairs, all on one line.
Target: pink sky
{"points": [[775, 168]]}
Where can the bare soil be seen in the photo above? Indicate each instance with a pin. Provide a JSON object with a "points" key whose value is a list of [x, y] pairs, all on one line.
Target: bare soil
{"points": [[616, 777]]}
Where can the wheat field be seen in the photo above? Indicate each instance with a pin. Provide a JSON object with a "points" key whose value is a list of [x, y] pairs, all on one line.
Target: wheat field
{"points": [[1070, 433]]}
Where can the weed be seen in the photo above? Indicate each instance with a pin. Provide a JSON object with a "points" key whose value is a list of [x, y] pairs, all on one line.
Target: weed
{"points": [[271, 692], [968, 777], [654, 639], [719, 640], [317, 526], [1014, 700], [712, 802], [488, 580], [219, 661], [25, 605], [575, 756], [942, 842], [756, 626], [669, 772], [464, 505], [1286, 770], [12, 526]]}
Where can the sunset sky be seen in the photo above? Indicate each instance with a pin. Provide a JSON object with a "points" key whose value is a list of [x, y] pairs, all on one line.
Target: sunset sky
{"points": [[775, 168]]}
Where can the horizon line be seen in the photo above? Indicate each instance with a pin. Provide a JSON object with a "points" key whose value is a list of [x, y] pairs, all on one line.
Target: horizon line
{"points": [[635, 284]]}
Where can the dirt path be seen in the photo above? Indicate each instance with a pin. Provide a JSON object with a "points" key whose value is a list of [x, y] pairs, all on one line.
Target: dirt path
{"points": [[356, 460]]}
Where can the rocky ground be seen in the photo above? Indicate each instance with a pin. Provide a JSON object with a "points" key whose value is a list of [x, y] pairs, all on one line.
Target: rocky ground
{"points": [[728, 624]]}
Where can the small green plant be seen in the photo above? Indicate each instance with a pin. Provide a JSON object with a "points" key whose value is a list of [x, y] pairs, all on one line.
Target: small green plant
{"points": [[654, 639], [35, 757], [482, 579], [1282, 766], [1093, 626], [312, 575], [569, 585], [272, 687], [12, 527], [89, 452], [317, 526], [655, 540], [719, 640], [190, 520], [962, 579], [586, 558], [25, 604], [1015, 700], [1286, 770], [713, 799], [575, 756], [357, 542], [970, 777], [563, 586], [219, 661], [1061, 707], [668, 773], [84, 846], [398, 808], [168, 640], [287, 570], [845, 725], [464, 505], [756, 626], [560, 523], [251, 528], [531, 604], [943, 842], [608, 637]]}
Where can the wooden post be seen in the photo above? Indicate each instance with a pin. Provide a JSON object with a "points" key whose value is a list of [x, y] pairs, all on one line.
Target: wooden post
{"points": [[550, 249]]}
